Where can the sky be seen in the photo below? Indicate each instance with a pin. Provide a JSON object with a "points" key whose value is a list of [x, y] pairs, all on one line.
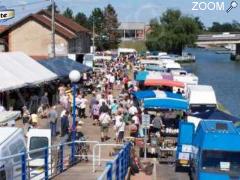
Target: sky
{"points": [[132, 10]]}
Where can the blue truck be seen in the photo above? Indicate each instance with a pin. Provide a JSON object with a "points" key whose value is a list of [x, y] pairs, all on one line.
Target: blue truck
{"points": [[212, 151]]}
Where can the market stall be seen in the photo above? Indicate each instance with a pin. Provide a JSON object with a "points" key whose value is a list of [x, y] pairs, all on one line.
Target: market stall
{"points": [[165, 114], [63, 66]]}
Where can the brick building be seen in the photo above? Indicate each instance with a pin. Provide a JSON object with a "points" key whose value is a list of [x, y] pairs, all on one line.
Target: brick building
{"points": [[32, 35], [133, 31]]}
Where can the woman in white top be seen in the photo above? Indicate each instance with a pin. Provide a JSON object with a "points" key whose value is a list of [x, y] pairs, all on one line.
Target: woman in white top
{"points": [[83, 105]]}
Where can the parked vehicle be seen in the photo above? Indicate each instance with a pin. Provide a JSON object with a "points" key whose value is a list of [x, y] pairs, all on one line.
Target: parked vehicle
{"points": [[11, 142], [88, 60], [38, 138], [201, 98], [212, 151]]}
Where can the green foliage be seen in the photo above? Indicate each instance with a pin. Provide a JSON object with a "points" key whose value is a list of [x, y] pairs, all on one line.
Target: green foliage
{"points": [[225, 27], [106, 24], [68, 13], [200, 24], [172, 33], [49, 8], [138, 45], [82, 19], [110, 29]]}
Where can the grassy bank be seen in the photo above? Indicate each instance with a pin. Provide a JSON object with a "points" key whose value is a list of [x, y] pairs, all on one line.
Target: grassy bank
{"points": [[222, 108], [138, 45]]}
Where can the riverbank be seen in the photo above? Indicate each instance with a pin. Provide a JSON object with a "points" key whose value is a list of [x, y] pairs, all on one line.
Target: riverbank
{"points": [[220, 72]]}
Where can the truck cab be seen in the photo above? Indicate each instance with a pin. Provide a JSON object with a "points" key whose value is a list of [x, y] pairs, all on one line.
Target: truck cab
{"points": [[215, 151], [12, 142]]}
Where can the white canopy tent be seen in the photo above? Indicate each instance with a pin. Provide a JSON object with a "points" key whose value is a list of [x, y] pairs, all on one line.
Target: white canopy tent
{"points": [[21, 70]]}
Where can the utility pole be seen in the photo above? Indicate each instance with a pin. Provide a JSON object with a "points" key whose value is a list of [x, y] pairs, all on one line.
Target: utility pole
{"points": [[53, 52], [93, 36]]}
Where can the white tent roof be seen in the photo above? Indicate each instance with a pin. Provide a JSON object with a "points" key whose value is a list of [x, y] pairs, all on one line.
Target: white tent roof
{"points": [[21, 70]]}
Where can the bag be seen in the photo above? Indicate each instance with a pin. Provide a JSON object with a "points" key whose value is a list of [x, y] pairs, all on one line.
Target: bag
{"points": [[95, 110], [134, 167], [104, 125]]}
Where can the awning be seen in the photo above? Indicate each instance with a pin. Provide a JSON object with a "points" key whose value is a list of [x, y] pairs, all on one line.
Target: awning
{"points": [[6, 116], [19, 70], [156, 94], [163, 82], [63, 66], [216, 114], [9, 81], [145, 75], [167, 103]]}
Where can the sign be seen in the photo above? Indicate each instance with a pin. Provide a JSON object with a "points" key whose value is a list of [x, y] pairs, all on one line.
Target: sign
{"points": [[184, 156], [145, 120], [187, 148], [6, 14]]}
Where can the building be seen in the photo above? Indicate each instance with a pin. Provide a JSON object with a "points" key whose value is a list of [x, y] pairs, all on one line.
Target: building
{"points": [[2, 45], [133, 31], [32, 35]]}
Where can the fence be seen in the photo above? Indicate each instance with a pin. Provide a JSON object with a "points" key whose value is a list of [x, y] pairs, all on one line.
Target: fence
{"points": [[117, 168], [43, 163]]}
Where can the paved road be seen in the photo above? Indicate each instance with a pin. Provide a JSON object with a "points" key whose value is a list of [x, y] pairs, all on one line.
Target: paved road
{"points": [[167, 172]]}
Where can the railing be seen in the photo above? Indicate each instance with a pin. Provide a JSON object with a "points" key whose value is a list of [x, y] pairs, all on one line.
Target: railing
{"points": [[44, 163], [117, 168]]}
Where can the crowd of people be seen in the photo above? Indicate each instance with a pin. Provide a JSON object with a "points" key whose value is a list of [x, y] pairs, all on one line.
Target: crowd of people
{"points": [[109, 104]]}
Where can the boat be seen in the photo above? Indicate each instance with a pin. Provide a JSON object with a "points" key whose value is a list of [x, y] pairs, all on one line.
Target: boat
{"points": [[185, 77]]}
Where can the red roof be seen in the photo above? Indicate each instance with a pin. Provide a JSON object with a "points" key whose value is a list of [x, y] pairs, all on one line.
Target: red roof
{"points": [[163, 82], [66, 22], [2, 28], [64, 27]]}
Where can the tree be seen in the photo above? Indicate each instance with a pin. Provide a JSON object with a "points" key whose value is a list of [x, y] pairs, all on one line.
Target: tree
{"points": [[68, 13], [172, 33], [96, 19], [82, 19], [111, 25], [49, 8], [225, 27], [200, 24]]}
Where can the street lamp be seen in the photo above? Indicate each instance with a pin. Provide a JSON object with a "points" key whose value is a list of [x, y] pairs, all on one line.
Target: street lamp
{"points": [[74, 77]]}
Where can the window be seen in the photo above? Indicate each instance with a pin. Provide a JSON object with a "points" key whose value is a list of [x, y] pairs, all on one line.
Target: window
{"points": [[2, 174], [37, 143], [214, 160], [15, 148]]}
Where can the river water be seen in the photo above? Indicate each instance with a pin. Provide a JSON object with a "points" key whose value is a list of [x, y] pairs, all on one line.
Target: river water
{"points": [[220, 72]]}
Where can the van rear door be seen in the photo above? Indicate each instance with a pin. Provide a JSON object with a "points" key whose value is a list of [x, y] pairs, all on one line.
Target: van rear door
{"points": [[37, 139], [184, 147]]}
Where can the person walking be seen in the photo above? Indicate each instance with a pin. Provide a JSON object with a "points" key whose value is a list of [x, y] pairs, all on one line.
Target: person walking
{"points": [[157, 124], [104, 108], [83, 105], [105, 121], [52, 117], [45, 100], [64, 127], [95, 112], [26, 115]]}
